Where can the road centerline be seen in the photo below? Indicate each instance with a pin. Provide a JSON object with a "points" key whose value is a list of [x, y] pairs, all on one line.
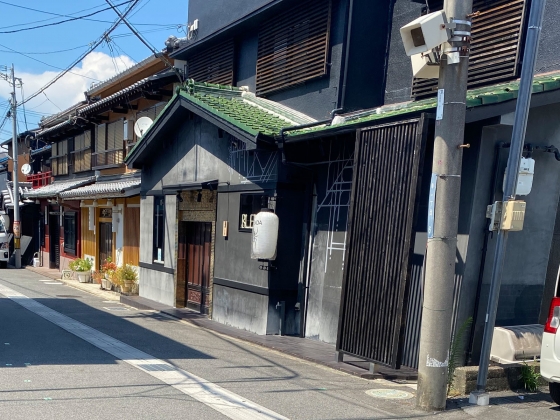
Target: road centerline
{"points": [[220, 399]]}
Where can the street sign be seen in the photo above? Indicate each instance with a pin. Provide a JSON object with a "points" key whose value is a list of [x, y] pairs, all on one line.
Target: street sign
{"points": [[17, 231], [432, 205]]}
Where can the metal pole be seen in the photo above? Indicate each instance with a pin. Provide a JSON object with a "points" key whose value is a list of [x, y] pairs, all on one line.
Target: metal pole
{"points": [[16, 226], [435, 333], [515, 154]]}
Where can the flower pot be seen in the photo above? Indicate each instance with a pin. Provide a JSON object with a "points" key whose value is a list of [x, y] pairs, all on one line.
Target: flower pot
{"points": [[106, 283], [127, 286], [84, 276]]}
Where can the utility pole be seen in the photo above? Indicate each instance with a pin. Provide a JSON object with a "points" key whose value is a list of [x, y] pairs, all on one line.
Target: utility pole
{"points": [[16, 225], [435, 333], [480, 397]]}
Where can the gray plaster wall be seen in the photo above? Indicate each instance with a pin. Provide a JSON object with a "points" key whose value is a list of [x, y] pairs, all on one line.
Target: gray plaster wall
{"points": [[215, 14], [528, 251], [398, 85], [232, 259], [333, 181], [240, 309], [193, 153], [155, 284]]}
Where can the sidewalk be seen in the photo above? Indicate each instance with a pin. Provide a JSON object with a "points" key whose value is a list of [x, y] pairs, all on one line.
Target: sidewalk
{"points": [[303, 348], [94, 289]]}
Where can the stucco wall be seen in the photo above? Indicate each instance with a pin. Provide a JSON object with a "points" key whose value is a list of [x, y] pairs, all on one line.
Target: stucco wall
{"points": [[528, 251]]}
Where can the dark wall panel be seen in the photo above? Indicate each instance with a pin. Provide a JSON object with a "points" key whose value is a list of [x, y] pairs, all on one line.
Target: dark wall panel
{"points": [[214, 15]]}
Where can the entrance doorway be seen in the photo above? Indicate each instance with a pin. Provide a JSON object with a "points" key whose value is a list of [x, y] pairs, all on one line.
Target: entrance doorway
{"points": [[105, 242], [193, 265], [54, 236]]}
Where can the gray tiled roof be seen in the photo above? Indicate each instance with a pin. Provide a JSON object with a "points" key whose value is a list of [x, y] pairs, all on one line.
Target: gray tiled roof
{"points": [[52, 190], [123, 187]]}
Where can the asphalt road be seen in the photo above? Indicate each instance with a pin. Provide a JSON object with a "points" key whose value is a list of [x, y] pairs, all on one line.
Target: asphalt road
{"points": [[49, 372]]}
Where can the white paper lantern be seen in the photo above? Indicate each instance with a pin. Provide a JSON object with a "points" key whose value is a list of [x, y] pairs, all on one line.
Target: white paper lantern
{"points": [[265, 236]]}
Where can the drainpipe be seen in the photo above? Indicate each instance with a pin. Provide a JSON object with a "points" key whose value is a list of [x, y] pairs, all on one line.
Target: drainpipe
{"points": [[342, 98]]}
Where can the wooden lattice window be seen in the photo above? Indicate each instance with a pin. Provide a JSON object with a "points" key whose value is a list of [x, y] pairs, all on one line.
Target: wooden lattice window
{"points": [[59, 158], [82, 152], [293, 46], [497, 31], [214, 65]]}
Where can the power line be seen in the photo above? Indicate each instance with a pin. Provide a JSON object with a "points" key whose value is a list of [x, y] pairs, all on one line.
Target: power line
{"points": [[23, 106], [60, 22], [48, 99], [70, 16], [145, 42], [44, 52], [82, 56], [47, 64]]}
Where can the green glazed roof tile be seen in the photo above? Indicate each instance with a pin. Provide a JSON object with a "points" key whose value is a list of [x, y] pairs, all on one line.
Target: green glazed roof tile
{"points": [[487, 95]]}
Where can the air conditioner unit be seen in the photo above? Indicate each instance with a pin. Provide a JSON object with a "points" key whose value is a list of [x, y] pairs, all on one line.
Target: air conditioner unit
{"points": [[514, 344]]}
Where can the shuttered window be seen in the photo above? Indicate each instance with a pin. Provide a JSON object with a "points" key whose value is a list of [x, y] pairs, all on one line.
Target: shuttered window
{"points": [[214, 65], [497, 31], [82, 152], [293, 46], [109, 144], [59, 159]]}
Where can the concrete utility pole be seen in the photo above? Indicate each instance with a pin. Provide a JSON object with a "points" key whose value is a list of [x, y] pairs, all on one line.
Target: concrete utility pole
{"points": [[16, 225], [480, 397], [435, 333]]}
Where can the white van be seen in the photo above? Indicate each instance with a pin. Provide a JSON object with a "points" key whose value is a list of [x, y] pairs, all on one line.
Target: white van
{"points": [[550, 350]]}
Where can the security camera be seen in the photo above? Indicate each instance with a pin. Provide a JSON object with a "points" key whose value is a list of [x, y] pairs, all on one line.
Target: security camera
{"points": [[425, 33], [426, 65]]}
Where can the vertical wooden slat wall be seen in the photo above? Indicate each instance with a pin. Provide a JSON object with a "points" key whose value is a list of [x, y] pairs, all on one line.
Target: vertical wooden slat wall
{"points": [[497, 31], [131, 238], [380, 241], [87, 236]]}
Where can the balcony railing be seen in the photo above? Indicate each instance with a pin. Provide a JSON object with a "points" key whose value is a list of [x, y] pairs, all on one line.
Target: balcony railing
{"points": [[40, 180], [107, 158]]}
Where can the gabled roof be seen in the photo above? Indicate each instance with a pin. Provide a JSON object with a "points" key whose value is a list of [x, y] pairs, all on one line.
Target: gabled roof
{"points": [[52, 190], [154, 81], [235, 110], [478, 97]]}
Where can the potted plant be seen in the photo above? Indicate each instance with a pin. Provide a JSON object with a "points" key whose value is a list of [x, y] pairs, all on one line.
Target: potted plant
{"points": [[82, 268], [127, 278], [108, 269], [97, 277]]}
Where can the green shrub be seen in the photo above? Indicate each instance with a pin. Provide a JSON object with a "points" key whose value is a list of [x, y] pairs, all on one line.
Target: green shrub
{"points": [[530, 377], [80, 264]]}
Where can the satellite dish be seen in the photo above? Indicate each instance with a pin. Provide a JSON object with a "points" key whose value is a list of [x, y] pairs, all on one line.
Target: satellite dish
{"points": [[142, 125], [26, 169]]}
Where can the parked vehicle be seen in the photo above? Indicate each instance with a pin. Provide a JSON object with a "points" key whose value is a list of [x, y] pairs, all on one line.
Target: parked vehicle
{"points": [[550, 350]]}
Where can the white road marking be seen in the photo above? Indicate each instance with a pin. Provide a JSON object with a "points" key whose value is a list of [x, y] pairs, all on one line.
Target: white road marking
{"points": [[52, 282], [226, 402]]}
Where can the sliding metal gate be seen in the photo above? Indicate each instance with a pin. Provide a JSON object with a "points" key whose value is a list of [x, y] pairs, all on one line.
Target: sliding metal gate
{"points": [[380, 240]]}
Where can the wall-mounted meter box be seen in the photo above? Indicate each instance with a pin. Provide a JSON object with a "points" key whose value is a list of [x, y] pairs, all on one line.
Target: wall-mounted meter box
{"points": [[525, 177]]}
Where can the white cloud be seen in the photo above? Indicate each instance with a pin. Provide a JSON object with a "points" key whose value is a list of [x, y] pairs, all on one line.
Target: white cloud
{"points": [[69, 89]]}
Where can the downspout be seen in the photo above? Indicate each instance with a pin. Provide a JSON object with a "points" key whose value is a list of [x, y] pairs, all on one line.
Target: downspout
{"points": [[499, 146], [342, 98]]}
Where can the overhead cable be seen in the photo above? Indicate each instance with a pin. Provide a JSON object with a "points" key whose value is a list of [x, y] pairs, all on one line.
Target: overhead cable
{"points": [[82, 56]]}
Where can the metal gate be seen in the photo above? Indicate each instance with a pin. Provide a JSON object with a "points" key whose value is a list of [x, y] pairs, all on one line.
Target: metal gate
{"points": [[381, 225]]}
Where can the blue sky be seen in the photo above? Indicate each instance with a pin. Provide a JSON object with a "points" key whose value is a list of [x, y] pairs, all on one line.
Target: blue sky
{"points": [[41, 53]]}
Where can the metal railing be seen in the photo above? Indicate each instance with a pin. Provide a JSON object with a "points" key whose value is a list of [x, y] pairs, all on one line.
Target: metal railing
{"points": [[40, 180]]}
